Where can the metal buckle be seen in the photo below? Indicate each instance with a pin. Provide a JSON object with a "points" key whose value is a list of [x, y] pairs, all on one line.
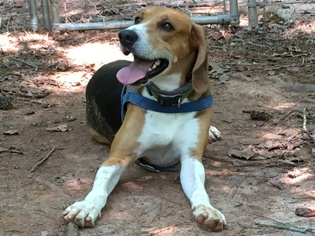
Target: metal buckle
{"points": [[169, 101]]}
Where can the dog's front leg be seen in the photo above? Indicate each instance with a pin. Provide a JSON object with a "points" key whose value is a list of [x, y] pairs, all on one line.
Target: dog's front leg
{"points": [[84, 213], [192, 178], [121, 154]]}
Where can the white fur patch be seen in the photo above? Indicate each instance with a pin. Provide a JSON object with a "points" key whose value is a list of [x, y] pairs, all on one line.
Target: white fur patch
{"points": [[142, 46], [87, 211], [192, 178], [214, 134], [167, 82], [164, 143]]}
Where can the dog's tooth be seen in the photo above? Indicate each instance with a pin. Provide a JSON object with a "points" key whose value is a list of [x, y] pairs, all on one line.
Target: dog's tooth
{"points": [[155, 65]]}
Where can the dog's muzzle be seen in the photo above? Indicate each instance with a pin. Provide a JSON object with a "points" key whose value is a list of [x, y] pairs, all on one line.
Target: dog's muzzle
{"points": [[127, 39]]}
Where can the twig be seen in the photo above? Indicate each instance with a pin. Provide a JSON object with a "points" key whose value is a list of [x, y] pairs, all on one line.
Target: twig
{"points": [[40, 102], [269, 162], [281, 225], [11, 150], [24, 62], [54, 187], [291, 112], [241, 163], [304, 128], [15, 61], [233, 195], [42, 160], [169, 200], [155, 231]]}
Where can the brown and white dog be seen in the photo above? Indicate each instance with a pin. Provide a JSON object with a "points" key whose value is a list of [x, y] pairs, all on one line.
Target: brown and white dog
{"points": [[170, 52]]}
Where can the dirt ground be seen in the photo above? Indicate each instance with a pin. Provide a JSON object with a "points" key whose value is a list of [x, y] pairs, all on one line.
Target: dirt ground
{"points": [[258, 174]]}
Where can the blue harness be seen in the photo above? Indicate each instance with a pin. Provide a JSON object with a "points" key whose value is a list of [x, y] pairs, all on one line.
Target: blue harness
{"points": [[158, 106]]}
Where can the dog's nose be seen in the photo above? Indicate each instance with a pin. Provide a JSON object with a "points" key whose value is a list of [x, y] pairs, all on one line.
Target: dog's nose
{"points": [[127, 37]]}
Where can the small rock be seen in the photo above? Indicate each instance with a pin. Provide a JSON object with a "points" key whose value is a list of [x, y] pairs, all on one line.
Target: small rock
{"points": [[58, 128], [11, 132], [5, 103]]}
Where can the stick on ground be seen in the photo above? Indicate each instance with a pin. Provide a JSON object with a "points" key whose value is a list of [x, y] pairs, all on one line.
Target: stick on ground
{"points": [[304, 128], [41, 161], [280, 225]]}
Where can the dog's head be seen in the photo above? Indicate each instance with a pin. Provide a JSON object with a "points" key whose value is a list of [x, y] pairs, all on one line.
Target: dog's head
{"points": [[164, 42]]}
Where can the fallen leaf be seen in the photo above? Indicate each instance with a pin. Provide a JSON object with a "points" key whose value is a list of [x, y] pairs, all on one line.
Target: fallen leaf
{"points": [[28, 113], [58, 128], [264, 154], [11, 132], [277, 184], [217, 35], [70, 118], [4, 150], [5, 103], [297, 172], [216, 71], [245, 153], [260, 115], [224, 78], [216, 68], [11, 150], [30, 92], [304, 212]]}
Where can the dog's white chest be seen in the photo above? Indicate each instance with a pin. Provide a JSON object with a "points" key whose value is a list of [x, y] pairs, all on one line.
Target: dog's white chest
{"points": [[165, 137]]}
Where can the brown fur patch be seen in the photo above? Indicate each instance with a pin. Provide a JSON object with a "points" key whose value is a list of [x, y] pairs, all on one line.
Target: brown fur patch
{"points": [[126, 140]]}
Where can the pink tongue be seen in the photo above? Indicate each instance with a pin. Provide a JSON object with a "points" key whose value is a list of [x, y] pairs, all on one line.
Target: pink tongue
{"points": [[134, 72]]}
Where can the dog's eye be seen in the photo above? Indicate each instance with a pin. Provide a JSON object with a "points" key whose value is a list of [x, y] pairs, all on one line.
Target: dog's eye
{"points": [[167, 26], [137, 20]]}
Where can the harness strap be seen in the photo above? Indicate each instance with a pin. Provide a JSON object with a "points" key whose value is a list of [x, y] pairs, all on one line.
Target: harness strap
{"points": [[156, 169], [153, 105]]}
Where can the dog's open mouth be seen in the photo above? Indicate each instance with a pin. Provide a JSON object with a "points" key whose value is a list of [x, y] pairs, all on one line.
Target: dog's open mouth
{"points": [[141, 70]]}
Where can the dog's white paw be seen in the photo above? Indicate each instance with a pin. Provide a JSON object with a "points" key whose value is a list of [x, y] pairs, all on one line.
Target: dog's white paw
{"points": [[210, 218], [214, 134], [82, 213]]}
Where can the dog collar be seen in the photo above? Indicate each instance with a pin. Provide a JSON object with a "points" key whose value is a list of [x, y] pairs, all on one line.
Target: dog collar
{"points": [[168, 98], [153, 105]]}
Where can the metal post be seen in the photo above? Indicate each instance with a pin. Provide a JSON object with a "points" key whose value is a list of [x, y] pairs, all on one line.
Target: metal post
{"points": [[46, 14], [252, 15], [224, 7], [54, 11], [234, 14], [33, 13]]}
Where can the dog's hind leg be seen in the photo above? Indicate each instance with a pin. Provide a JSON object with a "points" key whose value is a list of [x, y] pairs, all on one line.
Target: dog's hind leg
{"points": [[214, 134]]}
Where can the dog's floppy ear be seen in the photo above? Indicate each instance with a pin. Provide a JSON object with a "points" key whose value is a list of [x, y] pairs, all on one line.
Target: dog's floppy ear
{"points": [[200, 79]]}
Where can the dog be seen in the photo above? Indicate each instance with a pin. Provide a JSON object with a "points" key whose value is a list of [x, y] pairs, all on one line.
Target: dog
{"points": [[164, 98]]}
